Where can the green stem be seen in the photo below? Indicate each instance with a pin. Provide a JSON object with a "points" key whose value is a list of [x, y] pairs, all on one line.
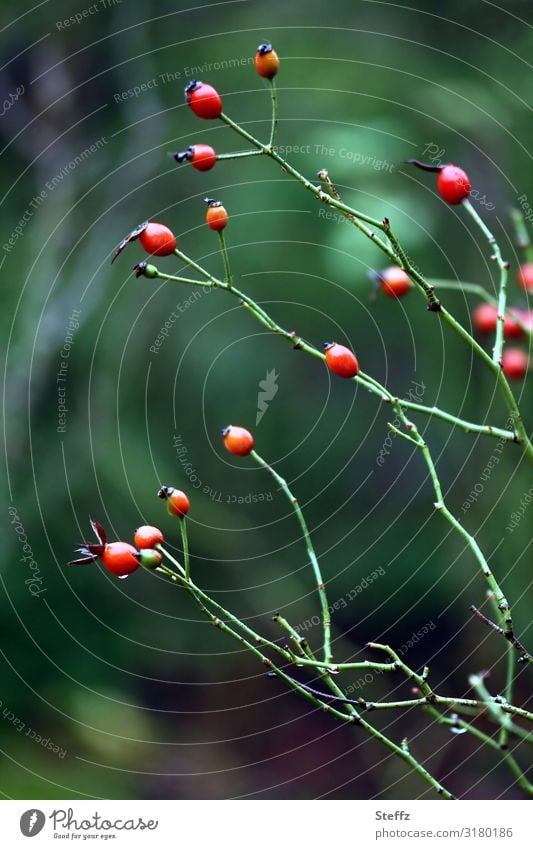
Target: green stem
{"points": [[342, 667], [185, 546], [509, 684], [493, 706], [502, 290], [316, 190], [260, 640], [468, 427], [240, 154], [401, 751], [274, 99], [440, 506], [294, 685], [188, 261], [509, 679], [476, 289], [460, 287], [225, 257], [326, 622], [352, 716]]}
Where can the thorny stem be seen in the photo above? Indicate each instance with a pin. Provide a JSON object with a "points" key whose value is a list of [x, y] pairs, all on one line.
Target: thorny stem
{"points": [[202, 600], [326, 621], [398, 255], [502, 293]]}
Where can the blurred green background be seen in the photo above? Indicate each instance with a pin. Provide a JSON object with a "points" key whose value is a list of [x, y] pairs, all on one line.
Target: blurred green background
{"points": [[142, 698]]}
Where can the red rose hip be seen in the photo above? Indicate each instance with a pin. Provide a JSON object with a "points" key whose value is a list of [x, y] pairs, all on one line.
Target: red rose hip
{"points": [[524, 276], [340, 360], [238, 440], [147, 537], [394, 282], [201, 156], [216, 216], [120, 558], [485, 318], [266, 61], [453, 184], [157, 239], [203, 99], [178, 503], [515, 363], [511, 328]]}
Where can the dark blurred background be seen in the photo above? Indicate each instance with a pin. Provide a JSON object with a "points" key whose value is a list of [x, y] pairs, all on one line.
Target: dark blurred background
{"points": [[119, 688]]}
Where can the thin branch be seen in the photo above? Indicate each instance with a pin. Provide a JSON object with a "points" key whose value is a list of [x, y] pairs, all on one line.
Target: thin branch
{"points": [[509, 635], [398, 254], [326, 621], [364, 380], [225, 257], [274, 99], [503, 266], [202, 600]]}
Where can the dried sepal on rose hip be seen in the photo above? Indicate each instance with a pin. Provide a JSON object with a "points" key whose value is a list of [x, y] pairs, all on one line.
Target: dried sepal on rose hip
{"points": [[216, 216], [177, 502], [201, 156], [203, 99], [144, 269], [340, 360], [119, 558], [453, 184], [156, 239], [266, 61], [237, 440]]}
